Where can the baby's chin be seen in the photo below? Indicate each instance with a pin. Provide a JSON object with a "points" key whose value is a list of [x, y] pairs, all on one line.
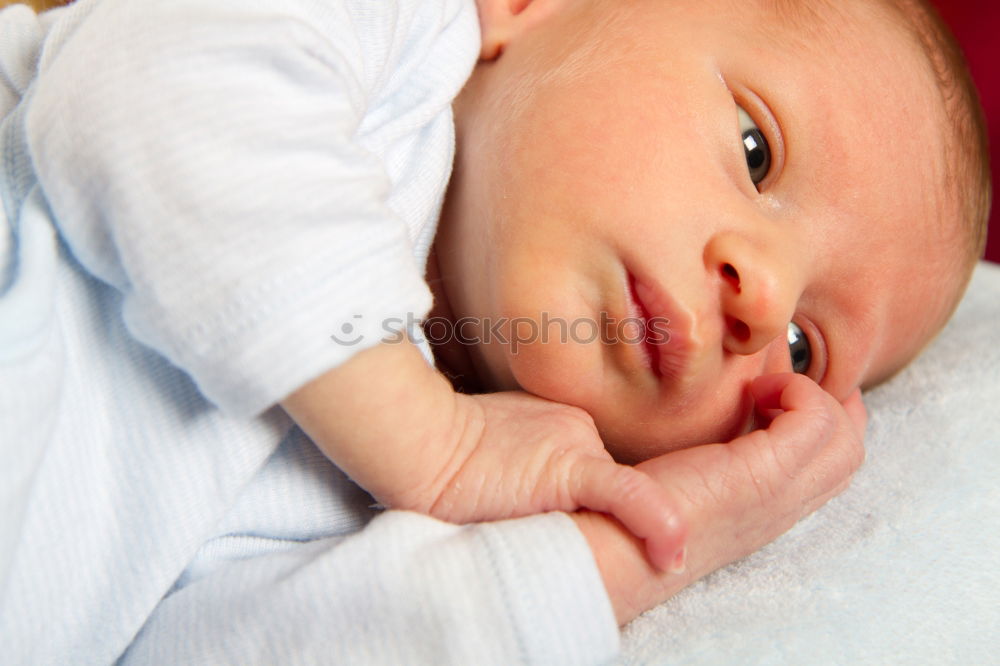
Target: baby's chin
{"points": [[638, 438]]}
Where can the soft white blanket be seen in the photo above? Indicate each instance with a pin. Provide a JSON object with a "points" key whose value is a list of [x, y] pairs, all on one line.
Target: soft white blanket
{"points": [[904, 567]]}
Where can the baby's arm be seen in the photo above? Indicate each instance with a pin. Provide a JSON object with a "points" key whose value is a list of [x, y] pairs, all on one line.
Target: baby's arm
{"points": [[395, 425], [741, 495]]}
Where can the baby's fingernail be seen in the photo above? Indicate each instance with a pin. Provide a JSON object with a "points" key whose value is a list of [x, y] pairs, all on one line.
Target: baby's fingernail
{"points": [[679, 564]]}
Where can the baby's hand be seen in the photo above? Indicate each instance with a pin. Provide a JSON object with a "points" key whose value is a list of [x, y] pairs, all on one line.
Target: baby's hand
{"points": [[759, 485], [395, 425], [740, 495], [518, 454]]}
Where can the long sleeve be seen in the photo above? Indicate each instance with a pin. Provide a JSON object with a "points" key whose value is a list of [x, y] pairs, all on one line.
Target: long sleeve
{"points": [[406, 590], [212, 162]]}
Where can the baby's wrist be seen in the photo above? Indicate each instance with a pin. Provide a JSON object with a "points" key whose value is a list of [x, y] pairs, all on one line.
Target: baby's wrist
{"points": [[385, 417], [632, 584]]}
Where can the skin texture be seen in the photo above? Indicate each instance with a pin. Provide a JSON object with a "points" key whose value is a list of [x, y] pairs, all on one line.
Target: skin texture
{"points": [[396, 427], [602, 142], [737, 496], [599, 156]]}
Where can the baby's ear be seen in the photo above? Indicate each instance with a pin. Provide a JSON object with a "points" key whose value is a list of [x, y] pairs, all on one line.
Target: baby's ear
{"points": [[501, 21]]}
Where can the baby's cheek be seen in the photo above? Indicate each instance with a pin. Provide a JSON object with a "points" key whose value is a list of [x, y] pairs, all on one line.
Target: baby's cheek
{"points": [[558, 370], [670, 425]]}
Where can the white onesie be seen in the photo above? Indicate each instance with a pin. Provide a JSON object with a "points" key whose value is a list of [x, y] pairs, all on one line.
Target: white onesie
{"points": [[196, 195]]}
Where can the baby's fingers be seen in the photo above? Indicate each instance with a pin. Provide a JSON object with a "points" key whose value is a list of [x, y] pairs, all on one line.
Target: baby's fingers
{"points": [[805, 409], [787, 391], [644, 507], [812, 432], [801, 411]]}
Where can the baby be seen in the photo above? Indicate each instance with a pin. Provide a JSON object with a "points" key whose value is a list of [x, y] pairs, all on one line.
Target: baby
{"points": [[756, 208], [769, 182]]}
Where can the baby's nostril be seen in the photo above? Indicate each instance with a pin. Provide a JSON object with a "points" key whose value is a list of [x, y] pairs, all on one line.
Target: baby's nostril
{"points": [[731, 275], [738, 329]]}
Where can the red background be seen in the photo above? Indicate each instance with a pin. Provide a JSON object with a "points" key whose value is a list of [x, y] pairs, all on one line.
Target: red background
{"points": [[976, 24]]}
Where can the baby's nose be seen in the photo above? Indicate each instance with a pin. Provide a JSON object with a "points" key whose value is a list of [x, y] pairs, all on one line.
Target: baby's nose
{"points": [[757, 293], [754, 309]]}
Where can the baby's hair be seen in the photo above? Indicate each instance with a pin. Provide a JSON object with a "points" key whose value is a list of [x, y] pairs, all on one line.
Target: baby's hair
{"points": [[966, 160], [967, 186], [967, 181], [968, 169]]}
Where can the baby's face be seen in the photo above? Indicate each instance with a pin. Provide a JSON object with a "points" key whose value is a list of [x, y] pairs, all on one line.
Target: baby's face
{"points": [[714, 168]]}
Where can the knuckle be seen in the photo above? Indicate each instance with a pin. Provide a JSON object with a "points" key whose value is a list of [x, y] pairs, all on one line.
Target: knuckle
{"points": [[576, 416], [573, 424], [629, 485], [825, 421], [766, 485]]}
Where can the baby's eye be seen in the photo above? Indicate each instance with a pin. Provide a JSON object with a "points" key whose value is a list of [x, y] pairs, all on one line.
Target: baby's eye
{"points": [[755, 147], [798, 347]]}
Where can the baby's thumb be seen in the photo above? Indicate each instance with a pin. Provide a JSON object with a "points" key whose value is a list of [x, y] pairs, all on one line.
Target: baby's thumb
{"points": [[641, 504]]}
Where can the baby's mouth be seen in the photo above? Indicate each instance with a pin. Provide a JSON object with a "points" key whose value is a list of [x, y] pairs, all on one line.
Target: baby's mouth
{"points": [[664, 347], [649, 352]]}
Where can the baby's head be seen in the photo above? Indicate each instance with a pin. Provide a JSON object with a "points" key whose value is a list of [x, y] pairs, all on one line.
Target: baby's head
{"points": [[722, 169]]}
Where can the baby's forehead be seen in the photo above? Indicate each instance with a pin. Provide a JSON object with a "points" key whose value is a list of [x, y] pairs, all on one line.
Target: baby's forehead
{"points": [[828, 31]]}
